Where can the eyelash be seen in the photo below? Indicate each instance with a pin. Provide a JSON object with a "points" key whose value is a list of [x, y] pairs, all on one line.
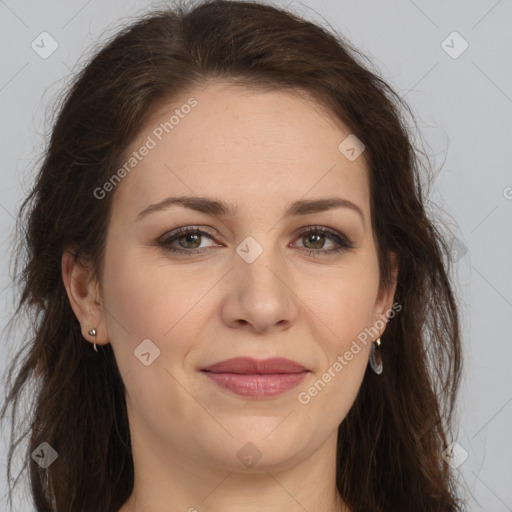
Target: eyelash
{"points": [[343, 243]]}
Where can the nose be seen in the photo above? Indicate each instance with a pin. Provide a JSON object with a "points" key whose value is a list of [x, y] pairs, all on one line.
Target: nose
{"points": [[259, 295]]}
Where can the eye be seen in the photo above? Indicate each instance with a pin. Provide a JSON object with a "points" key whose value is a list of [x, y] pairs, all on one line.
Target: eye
{"points": [[315, 237], [188, 238]]}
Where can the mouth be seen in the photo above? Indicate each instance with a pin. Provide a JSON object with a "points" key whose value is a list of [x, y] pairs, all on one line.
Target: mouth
{"points": [[249, 377]]}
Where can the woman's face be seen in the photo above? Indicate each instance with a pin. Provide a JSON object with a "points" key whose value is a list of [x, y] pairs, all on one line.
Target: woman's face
{"points": [[258, 170]]}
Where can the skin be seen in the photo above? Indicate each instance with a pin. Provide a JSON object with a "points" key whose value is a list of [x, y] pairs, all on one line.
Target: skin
{"points": [[260, 151]]}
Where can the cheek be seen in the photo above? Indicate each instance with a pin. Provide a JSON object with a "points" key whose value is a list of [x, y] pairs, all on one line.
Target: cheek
{"points": [[344, 311], [152, 302], [344, 301], [167, 307]]}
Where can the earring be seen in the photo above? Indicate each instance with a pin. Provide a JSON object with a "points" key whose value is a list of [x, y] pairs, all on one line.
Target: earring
{"points": [[92, 332], [375, 362]]}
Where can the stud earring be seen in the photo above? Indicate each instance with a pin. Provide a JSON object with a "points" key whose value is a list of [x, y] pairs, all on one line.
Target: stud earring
{"points": [[375, 359], [92, 332]]}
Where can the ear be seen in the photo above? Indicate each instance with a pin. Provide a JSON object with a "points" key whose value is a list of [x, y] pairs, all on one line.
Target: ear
{"points": [[84, 297], [386, 295]]}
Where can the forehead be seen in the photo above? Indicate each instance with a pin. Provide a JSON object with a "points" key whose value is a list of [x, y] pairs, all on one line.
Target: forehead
{"points": [[244, 146]]}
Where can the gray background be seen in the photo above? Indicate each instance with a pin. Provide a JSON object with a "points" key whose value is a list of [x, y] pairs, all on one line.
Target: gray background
{"points": [[464, 109]]}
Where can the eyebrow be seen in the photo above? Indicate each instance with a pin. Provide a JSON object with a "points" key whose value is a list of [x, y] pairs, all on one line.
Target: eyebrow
{"points": [[218, 208]]}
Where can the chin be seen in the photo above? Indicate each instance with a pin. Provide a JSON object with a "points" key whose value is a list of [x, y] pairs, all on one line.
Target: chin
{"points": [[258, 444]]}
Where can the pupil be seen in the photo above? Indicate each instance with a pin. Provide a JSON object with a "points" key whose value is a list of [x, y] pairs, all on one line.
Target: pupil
{"points": [[319, 240], [187, 239], [315, 240]]}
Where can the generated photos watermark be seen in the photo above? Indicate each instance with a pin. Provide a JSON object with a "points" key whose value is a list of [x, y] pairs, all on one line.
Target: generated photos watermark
{"points": [[369, 333]]}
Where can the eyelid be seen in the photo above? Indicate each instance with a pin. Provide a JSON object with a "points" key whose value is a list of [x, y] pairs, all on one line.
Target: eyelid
{"points": [[174, 233], [321, 229]]}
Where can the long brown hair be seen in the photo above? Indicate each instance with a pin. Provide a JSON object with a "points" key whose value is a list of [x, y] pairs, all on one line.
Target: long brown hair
{"points": [[389, 455]]}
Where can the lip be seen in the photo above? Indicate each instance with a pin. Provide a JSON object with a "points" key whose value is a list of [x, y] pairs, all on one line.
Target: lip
{"points": [[249, 365], [254, 378]]}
